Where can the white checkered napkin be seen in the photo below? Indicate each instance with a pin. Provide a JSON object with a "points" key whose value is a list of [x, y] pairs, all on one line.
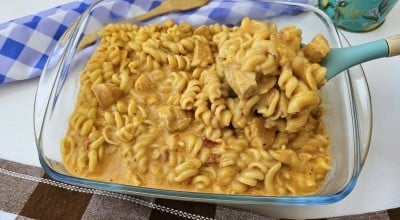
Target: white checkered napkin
{"points": [[26, 43]]}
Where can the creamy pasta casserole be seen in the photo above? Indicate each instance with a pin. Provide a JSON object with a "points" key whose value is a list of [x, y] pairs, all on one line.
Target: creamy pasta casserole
{"points": [[218, 109]]}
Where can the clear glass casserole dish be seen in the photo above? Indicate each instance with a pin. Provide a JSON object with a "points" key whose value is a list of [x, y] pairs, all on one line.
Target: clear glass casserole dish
{"points": [[346, 98]]}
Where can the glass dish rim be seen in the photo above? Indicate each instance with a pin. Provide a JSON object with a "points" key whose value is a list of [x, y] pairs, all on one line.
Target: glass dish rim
{"points": [[211, 197]]}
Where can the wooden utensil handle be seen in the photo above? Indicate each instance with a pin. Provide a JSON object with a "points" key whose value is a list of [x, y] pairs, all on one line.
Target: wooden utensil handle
{"points": [[394, 45], [161, 9]]}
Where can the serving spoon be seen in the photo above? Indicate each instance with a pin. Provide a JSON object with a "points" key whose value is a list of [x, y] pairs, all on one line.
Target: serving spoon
{"points": [[339, 59]]}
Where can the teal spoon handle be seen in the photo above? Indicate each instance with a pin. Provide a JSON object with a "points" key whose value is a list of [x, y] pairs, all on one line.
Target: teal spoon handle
{"points": [[339, 59]]}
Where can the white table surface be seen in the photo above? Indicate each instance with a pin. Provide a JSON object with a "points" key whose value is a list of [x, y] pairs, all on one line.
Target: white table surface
{"points": [[378, 187]]}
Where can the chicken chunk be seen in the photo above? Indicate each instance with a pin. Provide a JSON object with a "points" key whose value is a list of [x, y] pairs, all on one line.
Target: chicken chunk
{"points": [[202, 55], [106, 94], [317, 49], [243, 83], [259, 135], [144, 84], [174, 118], [203, 30], [253, 26]]}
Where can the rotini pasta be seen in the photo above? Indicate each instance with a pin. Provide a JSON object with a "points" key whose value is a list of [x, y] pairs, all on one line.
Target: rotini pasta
{"points": [[217, 109]]}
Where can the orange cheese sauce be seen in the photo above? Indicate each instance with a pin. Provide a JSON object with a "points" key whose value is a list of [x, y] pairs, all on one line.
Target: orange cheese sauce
{"points": [[206, 109]]}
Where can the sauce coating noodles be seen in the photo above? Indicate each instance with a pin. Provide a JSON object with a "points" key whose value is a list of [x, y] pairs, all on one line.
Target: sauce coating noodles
{"points": [[217, 109]]}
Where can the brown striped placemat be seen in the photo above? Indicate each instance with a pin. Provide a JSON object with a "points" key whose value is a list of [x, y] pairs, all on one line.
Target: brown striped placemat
{"points": [[28, 193]]}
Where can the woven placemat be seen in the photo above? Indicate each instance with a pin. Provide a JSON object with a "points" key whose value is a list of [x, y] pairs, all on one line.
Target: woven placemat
{"points": [[27, 192]]}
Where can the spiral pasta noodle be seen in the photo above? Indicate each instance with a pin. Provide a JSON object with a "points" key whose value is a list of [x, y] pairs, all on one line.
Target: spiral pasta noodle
{"points": [[213, 108]]}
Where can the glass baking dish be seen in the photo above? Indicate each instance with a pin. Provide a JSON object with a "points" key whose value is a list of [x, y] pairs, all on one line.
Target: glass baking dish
{"points": [[346, 98]]}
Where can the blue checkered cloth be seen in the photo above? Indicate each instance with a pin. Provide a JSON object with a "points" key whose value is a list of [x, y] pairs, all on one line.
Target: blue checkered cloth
{"points": [[26, 43]]}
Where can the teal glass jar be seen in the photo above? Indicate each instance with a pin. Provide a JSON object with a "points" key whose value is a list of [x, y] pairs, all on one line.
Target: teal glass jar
{"points": [[357, 15]]}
